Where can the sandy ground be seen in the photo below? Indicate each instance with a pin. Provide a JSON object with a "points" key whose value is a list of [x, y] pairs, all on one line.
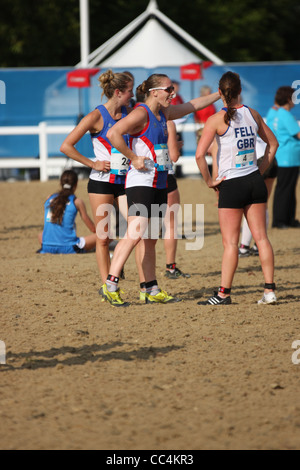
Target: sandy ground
{"points": [[80, 374]]}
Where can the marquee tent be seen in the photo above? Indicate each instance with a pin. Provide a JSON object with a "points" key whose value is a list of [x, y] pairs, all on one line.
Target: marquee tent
{"points": [[149, 44]]}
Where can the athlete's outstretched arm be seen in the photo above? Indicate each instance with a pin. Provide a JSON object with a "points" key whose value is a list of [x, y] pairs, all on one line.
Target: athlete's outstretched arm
{"points": [[180, 110]]}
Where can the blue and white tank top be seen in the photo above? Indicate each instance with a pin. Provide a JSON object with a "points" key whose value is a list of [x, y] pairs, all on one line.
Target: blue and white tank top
{"points": [[151, 142], [103, 150]]}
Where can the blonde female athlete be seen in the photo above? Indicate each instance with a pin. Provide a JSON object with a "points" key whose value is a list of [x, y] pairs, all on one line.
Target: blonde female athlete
{"points": [[109, 168]]}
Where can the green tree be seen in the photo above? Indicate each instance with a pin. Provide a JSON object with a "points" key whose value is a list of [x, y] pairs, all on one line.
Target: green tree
{"points": [[47, 32], [39, 33]]}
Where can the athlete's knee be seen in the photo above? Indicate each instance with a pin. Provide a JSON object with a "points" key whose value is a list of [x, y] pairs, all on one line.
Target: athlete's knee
{"points": [[230, 244], [261, 238], [102, 242], [150, 243]]}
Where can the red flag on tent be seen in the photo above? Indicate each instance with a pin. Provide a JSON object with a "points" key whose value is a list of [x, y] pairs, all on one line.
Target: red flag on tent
{"points": [[207, 63], [190, 72], [81, 78]]}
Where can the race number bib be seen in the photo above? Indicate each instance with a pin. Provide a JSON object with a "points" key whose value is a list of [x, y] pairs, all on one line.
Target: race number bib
{"points": [[119, 164], [244, 158], [162, 157]]}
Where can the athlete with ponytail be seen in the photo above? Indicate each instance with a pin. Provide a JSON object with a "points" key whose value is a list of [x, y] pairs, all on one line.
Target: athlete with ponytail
{"points": [[241, 187], [109, 167], [59, 234]]}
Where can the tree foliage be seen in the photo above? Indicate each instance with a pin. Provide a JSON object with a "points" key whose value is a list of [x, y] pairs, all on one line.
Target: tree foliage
{"points": [[47, 32]]}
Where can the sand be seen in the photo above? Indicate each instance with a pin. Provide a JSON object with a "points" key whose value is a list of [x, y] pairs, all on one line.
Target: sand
{"points": [[80, 374]]}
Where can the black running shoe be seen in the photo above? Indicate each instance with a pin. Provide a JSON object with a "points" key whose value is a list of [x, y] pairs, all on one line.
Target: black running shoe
{"points": [[122, 274], [244, 251], [176, 274], [216, 300], [78, 250], [101, 291], [254, 251]]}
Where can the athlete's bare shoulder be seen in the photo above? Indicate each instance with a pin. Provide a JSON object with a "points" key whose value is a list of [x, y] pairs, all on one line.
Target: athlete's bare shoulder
{"points": [[256, 116]]}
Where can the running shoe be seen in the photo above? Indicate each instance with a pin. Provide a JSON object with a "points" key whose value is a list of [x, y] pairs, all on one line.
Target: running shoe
{"points": [[101, 290], [79, 250], [113, 298], [176, 274], [122, 274], [142, 296], [254, 250], [216, 300], [268, 299], [161, 298], [244, 251]]}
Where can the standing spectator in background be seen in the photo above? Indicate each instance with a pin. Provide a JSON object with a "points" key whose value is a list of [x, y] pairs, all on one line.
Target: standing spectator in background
{"points": [[177, 98], [202, 115], [170, 221], [287, 132]]}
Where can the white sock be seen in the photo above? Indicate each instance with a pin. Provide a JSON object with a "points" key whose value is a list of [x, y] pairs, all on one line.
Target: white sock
{"points": [[112, 283], [152, 290], [246, 234]]}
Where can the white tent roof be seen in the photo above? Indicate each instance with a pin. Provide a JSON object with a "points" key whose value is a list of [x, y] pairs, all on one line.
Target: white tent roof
{"points": [[152, 45]]}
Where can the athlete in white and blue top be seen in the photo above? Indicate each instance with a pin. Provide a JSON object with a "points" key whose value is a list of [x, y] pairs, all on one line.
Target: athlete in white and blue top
{"points": [[236, 155], [104, 151], [106, 183], [151, 142], [242, 190]]}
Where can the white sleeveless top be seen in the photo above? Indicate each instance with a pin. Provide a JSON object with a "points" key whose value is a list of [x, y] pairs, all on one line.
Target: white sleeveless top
{"points": [[237, 146]]}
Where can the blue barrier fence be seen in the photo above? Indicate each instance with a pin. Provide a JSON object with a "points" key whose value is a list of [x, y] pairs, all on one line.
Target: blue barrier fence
{"points": [[29, 96]]}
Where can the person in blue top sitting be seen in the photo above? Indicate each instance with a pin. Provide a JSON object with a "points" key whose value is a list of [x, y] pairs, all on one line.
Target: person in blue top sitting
{"points": [[287, 132], [59, 234]]}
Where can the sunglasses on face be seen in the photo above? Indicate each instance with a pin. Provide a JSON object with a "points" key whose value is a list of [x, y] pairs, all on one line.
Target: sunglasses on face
{"points": [[168, 89]]}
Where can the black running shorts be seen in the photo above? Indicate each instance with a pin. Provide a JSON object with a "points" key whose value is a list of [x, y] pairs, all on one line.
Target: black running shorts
{"points": [[100, 187], [172, 183], [270, 172], [147, 202], [237, 193]]}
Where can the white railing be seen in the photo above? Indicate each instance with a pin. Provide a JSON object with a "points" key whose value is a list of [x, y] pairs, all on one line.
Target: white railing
{"points": [[44, 163]]}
